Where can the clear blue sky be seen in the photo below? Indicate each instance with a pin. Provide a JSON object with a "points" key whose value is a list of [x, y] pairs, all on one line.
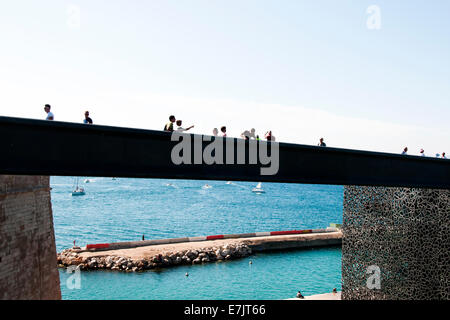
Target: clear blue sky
{"points": [[128, 58]]}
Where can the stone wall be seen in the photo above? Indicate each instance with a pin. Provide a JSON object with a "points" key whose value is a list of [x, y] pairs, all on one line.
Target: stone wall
{"points": [[404, 234], [28, 268]]}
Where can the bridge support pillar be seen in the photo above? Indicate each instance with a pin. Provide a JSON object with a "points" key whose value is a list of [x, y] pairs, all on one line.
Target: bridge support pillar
{"points": [[396, 243], [28, 267]]}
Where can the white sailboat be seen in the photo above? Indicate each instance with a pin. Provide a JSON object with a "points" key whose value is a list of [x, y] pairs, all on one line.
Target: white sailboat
{"points": [[258, 188], [79, 191]]}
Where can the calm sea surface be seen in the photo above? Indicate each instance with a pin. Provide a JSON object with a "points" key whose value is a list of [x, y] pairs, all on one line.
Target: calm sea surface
{"points": [[125, 209]]}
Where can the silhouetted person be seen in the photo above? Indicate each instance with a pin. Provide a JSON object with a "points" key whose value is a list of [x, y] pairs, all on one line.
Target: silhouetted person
{"points": [[215, 132], [299, 295], [422, 153], [322, 143], [247, 135], [50, 115], [180, 128], [443, 155], [405, 151], [87, 120], [269, 136], [169, 125], [224, 131]]}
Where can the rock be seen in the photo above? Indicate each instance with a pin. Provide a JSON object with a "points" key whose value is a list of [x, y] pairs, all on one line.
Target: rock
{"points": [[197, 260], [205, 259], [173, 257], [228, 257], [192, 254]]}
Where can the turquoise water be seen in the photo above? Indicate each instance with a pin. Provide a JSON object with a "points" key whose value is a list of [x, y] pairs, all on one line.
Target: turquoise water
{"points": [[125, 209]]}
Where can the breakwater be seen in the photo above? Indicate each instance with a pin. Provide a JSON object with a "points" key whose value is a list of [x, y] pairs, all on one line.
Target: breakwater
{"points": [[135, 259]]}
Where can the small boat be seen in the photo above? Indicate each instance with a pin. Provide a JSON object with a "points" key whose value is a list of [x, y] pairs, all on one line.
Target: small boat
{"points": [[229, 182], [79, 191], [87, 181], [258, 189], [206, 186]]}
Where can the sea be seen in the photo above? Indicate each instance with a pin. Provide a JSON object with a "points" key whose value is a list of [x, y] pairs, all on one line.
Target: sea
{"points": [[125, 209]]}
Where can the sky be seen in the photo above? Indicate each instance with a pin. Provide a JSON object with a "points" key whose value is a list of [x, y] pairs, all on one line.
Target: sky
{"points": [[369, 75]]}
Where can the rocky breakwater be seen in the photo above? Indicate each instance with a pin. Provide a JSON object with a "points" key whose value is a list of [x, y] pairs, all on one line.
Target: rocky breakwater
{"points": [[74, 257]]}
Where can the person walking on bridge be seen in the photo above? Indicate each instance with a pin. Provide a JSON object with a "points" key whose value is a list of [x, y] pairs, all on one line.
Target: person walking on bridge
{"points": [[405, 151], [443, 155], [87, 120], [50, 115], [169, 125], [180, 128], [422, 153], [322, 143], [269, 136], [247, 135], [223, 129]]}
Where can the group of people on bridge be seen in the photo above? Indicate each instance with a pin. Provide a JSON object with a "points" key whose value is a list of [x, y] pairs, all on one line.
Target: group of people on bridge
{"points": [[247, 134]]}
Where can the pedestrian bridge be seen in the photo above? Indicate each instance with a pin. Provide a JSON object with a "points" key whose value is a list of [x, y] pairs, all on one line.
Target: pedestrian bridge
{"points": [[37, 147], [396, 208]]}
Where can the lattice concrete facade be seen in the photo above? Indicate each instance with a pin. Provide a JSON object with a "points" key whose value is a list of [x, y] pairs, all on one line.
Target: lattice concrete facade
{"points": [[405, 233]]}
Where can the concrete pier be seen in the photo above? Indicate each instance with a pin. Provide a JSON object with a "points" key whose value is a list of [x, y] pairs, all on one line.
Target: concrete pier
{"points": [[163, 255]]}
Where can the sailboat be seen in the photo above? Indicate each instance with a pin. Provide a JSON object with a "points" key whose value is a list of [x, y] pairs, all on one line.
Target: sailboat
{"points": [[79, 191], [258, 188]]}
